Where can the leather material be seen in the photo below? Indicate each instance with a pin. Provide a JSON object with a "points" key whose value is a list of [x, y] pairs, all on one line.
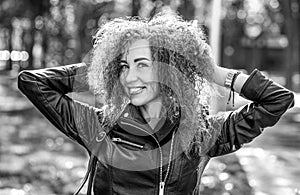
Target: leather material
{"points": [[270, 102], [125, 169]]}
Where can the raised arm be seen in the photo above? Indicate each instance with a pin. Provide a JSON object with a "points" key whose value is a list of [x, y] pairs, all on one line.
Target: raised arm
{"points": [[269, 102], [47, 89]]}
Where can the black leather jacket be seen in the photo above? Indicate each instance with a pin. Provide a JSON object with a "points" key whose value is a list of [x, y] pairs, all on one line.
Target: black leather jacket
{"points": [[129, 161]]}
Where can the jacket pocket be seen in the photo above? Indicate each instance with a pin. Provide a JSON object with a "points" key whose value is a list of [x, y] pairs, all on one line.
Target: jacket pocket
{"points": [[126, 142]]}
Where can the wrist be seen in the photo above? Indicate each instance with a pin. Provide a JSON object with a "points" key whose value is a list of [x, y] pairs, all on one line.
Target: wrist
{"points": [[219, 75], [230, 79]]}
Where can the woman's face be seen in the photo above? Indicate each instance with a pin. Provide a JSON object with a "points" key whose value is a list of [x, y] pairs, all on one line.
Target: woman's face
{"points": [[138, 74]]}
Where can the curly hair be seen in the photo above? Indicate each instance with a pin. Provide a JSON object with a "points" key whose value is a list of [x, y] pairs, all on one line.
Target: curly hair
{"points": [[184, 63]]}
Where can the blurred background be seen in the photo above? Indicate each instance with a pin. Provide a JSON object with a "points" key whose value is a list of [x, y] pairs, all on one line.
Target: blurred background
{"points": [[244, 34]]}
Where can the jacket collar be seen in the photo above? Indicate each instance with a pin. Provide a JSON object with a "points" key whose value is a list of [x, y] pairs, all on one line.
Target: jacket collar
{"points": [[132, 121]]}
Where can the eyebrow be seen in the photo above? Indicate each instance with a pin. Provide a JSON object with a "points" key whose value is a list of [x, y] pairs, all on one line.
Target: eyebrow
{"points": [[135, 60], [139, 59], [123, 61]]}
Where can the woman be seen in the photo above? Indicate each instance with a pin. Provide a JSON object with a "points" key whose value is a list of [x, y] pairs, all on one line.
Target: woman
{"points": [[154, 134]]}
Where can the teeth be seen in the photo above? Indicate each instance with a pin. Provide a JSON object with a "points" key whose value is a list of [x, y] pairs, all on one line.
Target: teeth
{"points": [[135, 90]]}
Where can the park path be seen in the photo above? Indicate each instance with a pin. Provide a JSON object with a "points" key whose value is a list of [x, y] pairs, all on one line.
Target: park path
{"points": [[272, 160]]}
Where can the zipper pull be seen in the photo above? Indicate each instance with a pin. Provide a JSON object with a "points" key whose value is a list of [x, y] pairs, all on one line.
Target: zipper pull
{"points": [[161, 188], [114, 139]]}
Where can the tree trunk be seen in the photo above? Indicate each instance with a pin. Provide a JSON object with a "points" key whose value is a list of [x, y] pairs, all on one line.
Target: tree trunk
{"points": [[29, 43], [187, 9], [297, 53], [9, 62], [44, 47], [289, 29], [136, 5]]}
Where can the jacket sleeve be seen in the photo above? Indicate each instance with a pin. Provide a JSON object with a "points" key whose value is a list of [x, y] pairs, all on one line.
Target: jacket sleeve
{"points": [[47, 89], [269, 102]]}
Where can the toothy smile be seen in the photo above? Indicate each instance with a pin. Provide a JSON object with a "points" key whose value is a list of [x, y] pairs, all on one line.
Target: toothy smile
{"points": [[135, 90]]}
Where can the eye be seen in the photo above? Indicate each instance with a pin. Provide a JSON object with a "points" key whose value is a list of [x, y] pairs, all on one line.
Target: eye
{"points": [[142, 65], [123, 66]]}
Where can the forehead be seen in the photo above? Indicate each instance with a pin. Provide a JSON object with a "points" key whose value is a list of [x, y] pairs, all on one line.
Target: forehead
{"points": [[139, 48]]}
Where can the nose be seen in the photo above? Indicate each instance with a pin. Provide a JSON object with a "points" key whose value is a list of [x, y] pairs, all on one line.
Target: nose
{"points": [[131, 75]]}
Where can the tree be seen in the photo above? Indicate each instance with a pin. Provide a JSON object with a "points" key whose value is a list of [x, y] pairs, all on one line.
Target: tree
{"points": [[29, 10]]}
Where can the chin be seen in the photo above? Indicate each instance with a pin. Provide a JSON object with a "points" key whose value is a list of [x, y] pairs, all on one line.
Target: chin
{"points": [[137, 103]]}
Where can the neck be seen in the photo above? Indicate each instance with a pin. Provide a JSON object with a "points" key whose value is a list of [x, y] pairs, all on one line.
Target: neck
{"points": [[152, 109]]}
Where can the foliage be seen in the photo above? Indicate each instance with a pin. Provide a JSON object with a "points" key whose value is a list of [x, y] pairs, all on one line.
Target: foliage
{"points": [[60, 31]]}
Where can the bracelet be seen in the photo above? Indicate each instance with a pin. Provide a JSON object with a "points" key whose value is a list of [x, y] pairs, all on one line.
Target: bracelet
{"points": [[229, 83], [236, 74], [230, 79]]}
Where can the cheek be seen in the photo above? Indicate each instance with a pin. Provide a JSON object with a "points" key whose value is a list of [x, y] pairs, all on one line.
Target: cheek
{"points": [[150, 76], [122, 85], [122, 80], [153, 79], [156, 82]]}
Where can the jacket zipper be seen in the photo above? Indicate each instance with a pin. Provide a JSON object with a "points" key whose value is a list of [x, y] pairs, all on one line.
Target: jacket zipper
{"points": [[115, 139], [161, 180]]}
